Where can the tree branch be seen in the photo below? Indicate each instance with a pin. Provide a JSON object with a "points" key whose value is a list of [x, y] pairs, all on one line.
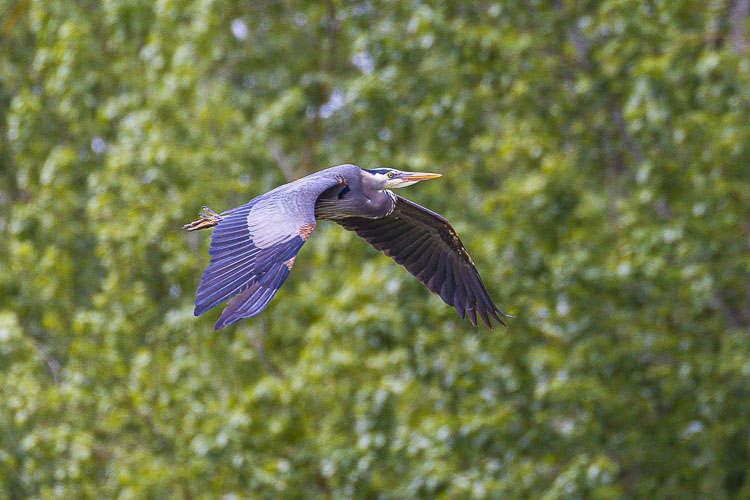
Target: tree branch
{"points": [[622, 125], [581, 45], [333, 29], [20, 9], [52, 364], [258, 340], [737, 19], [286, 167]]}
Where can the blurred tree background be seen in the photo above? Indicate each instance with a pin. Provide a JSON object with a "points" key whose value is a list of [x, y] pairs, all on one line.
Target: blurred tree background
{"points": [[596, 163]]}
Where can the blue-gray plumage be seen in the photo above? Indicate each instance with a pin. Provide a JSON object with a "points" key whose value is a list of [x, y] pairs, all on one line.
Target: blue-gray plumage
{"points": [[253, 247]]}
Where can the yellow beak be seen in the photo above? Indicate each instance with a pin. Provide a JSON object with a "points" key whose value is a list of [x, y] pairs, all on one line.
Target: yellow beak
{"points": [[419, 176]]}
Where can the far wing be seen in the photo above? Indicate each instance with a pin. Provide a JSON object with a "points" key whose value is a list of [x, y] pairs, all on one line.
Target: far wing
{"points": [[253, 249], [428, 247]]}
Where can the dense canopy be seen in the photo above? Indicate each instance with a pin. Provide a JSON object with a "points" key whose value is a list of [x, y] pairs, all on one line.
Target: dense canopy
{"points": [[595, 163]]}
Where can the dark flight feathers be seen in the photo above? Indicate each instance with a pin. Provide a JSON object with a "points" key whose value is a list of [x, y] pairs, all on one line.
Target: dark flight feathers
{"points": [[240, 270], [428, 247]]}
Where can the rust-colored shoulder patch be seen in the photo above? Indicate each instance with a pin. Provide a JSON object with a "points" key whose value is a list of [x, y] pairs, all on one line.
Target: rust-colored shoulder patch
{"points": [[306, 230], [290, 263]]}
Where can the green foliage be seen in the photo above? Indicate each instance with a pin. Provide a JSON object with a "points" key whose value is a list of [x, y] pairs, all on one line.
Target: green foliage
{"points": [[595, 159]]}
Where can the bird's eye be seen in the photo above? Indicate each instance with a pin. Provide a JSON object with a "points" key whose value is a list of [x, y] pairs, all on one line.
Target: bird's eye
{"points": [[390, 175]]}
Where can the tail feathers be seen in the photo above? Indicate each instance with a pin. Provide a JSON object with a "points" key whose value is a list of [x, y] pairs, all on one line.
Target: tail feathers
{"points": [[255, 298]]}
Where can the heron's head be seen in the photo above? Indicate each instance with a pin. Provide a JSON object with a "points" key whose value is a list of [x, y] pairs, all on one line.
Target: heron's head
{"points": [[390, 178]]}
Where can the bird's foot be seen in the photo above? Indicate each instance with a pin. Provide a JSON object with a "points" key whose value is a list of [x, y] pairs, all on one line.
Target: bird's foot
{"points": [[209, 218]]}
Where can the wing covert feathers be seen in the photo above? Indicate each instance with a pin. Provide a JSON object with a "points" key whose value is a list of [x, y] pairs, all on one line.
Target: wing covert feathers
{"points": [[253, 246]]}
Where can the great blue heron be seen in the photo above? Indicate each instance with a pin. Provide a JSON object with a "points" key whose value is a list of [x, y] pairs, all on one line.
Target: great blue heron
{"points": [[254, 245]]}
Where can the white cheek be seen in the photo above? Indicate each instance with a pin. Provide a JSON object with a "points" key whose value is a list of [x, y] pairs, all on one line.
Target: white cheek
{"points": [[401, 184]]}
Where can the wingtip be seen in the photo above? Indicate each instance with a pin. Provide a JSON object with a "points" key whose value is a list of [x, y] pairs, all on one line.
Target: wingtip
{"points": [[496, 313], [460, 310], [228, 316], [201, 307], [485, 318], [472, 314], [225, 320]]}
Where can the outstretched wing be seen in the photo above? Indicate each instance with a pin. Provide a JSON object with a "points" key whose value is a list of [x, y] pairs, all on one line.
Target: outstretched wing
{"points": [[254, 246], [428, 247]]}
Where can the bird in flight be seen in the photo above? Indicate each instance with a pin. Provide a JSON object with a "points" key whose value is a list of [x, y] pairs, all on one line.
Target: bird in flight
{"points": [[253, 246]]}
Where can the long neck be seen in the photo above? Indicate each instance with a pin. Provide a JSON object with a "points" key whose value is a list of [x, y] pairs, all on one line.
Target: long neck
{"points": [[381, 204], [341, 201]]}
